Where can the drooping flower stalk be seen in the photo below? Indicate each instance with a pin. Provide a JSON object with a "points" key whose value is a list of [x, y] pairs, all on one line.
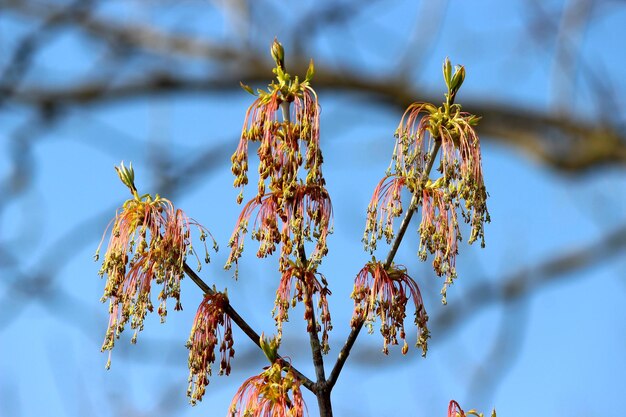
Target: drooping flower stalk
{"points": [[384, 207], [439, 233], [204, 338], [273, 393], [461, 186], [149, 242], [384, 293], [303, 213], [296, 285]]}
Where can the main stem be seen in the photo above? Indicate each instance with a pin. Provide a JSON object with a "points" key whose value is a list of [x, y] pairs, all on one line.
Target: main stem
{"points": [[347, 347], [322, 391]]}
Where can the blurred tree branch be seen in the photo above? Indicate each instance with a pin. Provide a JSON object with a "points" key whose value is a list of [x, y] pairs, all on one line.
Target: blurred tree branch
{"points": [[562, 141]]}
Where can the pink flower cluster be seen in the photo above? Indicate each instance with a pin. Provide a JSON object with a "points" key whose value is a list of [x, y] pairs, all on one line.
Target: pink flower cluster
{"points": [[424, 130], [384, 293], [270, 394], [205, 336], [149, 243]]}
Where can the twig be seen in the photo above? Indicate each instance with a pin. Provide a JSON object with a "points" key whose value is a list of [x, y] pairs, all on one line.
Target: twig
{"points": [[345, 351], [245, 327]]}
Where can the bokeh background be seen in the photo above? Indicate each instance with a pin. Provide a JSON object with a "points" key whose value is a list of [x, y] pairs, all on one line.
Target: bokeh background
{"points": [[535, 322]]}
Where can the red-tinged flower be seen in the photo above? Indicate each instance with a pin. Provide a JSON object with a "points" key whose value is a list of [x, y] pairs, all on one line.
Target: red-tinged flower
{"points": [[298, 284], [439, 233], [148, 245], [460, 162], [262, 125], [302, 213], [205, 336], [274, 393], [425, 129], [455, 410], [384, 207], [384, 293], [283, 145], [306, 112], [461, 166], [413, 140]]}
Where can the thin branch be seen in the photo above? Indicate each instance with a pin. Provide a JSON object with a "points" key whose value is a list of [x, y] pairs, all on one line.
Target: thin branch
{"points": [[245, 327], [316, 349], [136, 35], [354, 333]]}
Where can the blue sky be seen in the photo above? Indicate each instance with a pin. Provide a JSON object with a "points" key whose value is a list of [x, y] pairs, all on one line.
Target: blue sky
{"points": [[564, 345]]}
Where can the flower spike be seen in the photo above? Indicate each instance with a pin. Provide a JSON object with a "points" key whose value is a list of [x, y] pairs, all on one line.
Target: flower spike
{"points": [[424, 129], [270, 394], [149, 242], [297, 284], [205, 336], [384, 293]]}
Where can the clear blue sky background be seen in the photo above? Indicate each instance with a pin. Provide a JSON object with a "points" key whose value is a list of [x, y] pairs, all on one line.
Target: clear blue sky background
{"points": [[564, 347]]}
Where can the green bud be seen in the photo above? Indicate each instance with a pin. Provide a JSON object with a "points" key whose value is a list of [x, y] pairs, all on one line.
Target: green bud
{"points": [[457, 79], [278, 53], [127, 176], [447, 72], [269, 347]]}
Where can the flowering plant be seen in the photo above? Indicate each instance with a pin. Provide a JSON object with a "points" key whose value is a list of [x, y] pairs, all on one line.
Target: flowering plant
{"points": [[291, 213]]}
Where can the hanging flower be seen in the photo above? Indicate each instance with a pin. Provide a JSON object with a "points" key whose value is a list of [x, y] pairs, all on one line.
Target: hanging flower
{"points": [[296, 285], [421, 127], [384, 293], [148, 244], [274, 393], [301, 214], [284, 146], [455, 410], [439, 233], [205, 336], [423, 130], [414, 138], [384, 207]]}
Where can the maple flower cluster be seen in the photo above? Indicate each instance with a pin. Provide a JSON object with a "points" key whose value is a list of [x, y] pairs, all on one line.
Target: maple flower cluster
{"points": [[148, 245], [424, 130], [205, 336], [384, 293], [296, 285], [273, 393], [291, 208]]}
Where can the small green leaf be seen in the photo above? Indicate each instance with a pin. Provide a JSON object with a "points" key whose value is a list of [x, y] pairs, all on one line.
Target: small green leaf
{"points": [[311, 71], [247, 88], [447, 72], [457, 79], [269, 347]]}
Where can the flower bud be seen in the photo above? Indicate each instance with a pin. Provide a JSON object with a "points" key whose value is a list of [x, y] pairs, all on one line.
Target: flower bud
{"points": [[269, 347], [127, 176], [447, 71], [278, 53], [457, 79]]}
